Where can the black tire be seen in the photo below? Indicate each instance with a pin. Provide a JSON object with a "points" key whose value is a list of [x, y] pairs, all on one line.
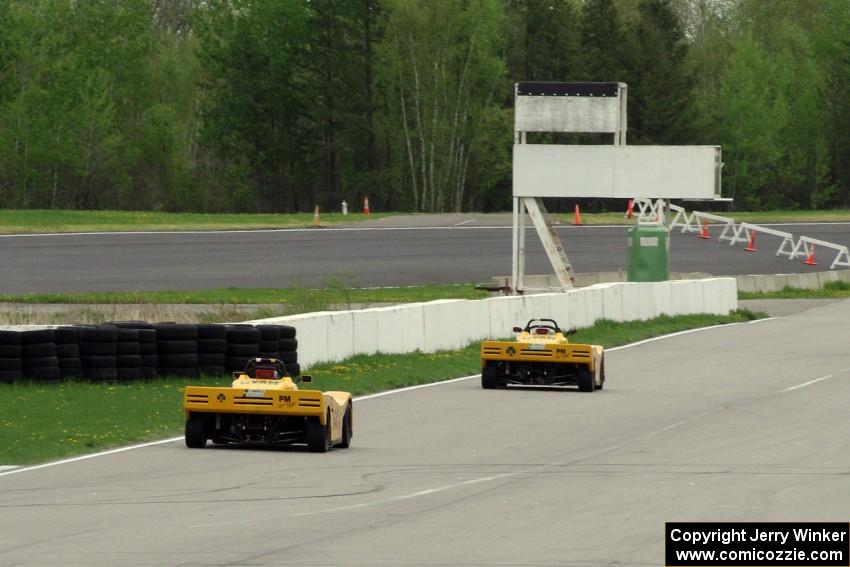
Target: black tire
{"points": [[129, 373], [10, 376], [43, 373], [127, 347], [147, 348], [585, 379], [216, 346], [38, 336], [68, 350], [130, 324], [195, 434], [269, 346], [247, 350], [101, 373], [147, 336], [65, 335], [601, 373], [212, 331], [128, 335], [178, 360], [317, 436], [10, 338], [37, 350], [104, 348], [10, 351], [269, 332], [177, 347], [286, 331], [39, 362], [128, 361], [70, 372], [490, 376], [149, 372], [212, 359], [288, 357], [176, 332], [150, 360], [242, 335], [103, 334], [70, 362], [287, 345], [105, 361], [294, 369], [347, 430], [10, 364], [237, 363]]}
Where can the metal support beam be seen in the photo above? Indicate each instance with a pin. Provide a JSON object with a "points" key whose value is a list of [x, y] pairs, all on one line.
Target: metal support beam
{"points": [[548, 237]]}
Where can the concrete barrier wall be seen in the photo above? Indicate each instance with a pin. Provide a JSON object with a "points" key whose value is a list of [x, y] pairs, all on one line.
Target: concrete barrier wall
{"points": [[452, 324]]}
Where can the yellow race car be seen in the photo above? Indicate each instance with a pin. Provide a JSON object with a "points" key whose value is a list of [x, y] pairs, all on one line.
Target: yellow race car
{"points": [[264, 406], [542, 355]]}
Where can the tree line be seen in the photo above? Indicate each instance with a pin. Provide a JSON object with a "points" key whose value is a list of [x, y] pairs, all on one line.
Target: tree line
{"points": [[279, 105]]}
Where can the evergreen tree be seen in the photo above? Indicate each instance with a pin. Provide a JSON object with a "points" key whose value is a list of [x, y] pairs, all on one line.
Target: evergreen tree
{"points": [[659, 83]]}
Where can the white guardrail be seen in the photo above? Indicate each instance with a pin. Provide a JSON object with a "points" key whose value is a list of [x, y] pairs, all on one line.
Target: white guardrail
{"points": [[743, 232], [331, 336]]}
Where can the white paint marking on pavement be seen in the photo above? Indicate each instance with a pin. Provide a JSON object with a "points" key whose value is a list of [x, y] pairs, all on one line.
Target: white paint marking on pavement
{"points": [[368, 397], [461, 223], [809, 383]]}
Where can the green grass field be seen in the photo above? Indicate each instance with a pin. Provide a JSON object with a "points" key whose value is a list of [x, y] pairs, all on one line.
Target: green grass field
{"points": [[41, 422], [333, 292], [837, 289], [24, 221]]}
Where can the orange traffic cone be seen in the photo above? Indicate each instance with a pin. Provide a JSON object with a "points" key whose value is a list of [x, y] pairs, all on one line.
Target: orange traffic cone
{"points": [[703, 232], [751, 244], [366, 206], [577, 216], [810, 259], [630, 208], [316, 216]]}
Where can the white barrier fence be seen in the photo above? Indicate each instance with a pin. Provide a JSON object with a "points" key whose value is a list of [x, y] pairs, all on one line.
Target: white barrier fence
{"points": [[331, 336]]}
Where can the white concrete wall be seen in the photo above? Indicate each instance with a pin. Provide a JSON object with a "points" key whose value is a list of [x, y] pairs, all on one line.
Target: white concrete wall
{"points": [[452, 324]]}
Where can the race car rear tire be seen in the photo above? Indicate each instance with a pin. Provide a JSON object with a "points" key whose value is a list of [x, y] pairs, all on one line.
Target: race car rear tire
{"points": [[346, 429], [196, 437], [601, 373], [317, 436], [585, 379], [489, 376]]}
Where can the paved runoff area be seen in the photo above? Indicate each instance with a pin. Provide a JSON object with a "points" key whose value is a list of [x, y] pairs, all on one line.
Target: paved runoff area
{"points": [[745, 422]]}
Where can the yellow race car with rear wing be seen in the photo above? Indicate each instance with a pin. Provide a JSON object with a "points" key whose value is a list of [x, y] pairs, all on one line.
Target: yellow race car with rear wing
{"points": [[264, 406], [542, 355]]}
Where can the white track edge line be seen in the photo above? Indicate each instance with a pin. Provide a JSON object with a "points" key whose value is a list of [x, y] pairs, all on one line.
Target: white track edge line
{"points": [[361, 398]]}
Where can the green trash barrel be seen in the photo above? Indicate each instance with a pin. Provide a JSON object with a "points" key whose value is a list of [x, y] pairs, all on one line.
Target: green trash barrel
{"points": [[649, 248]]}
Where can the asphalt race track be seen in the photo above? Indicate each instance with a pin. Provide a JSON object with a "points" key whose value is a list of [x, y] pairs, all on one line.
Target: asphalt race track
{"points": [[741, 423], [388, 252]]}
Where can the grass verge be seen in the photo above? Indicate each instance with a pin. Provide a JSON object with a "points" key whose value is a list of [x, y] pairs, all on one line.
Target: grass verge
{"points": [[830, 290], [41, 422], [29, 221], [334, 292]]}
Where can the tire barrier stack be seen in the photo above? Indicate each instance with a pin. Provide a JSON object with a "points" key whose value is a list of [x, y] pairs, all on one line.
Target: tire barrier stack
{"points": [[11, 367], [212, 350], [133, 350], [68, 352], [38, 355]]}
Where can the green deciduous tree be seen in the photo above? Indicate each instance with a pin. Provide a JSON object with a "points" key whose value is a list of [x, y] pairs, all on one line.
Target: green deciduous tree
{"points": [[442, 73]]}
